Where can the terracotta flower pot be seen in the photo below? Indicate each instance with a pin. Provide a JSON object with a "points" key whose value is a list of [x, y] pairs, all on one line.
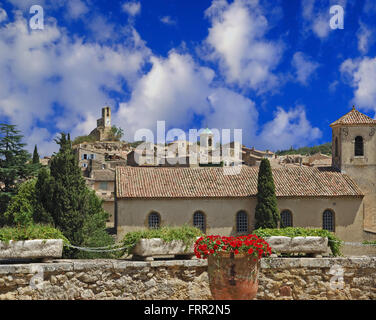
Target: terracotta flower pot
{"points": [[233, 276]]}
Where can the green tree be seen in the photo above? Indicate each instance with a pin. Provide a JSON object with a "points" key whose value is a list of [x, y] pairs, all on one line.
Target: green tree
{"points": [[21, 208], [266, 213], [67, 201], [35, 155], [116, 133], [14, 165]]}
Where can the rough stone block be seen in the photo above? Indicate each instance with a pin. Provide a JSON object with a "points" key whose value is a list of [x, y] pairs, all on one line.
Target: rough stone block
{"points": [[158, 247], [31, 249], [315, 245]]}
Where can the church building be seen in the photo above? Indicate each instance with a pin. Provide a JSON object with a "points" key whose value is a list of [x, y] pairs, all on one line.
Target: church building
{"points": [[340, 198]]}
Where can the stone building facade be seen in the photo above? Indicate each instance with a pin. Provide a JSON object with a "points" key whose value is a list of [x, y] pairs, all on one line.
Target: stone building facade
{"points": [[103, 129], [340, 198], [354, 153]]}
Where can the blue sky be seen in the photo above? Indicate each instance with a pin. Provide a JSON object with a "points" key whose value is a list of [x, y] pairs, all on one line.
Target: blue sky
{"points": [[274, 69]]}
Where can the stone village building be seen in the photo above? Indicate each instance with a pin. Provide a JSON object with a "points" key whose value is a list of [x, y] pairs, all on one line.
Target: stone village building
{"points": [[341, 198]]}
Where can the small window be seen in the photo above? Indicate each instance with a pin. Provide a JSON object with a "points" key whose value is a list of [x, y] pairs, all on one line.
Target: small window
{"points": [[359, 150], [92, 156], [336, 147], [199, 221], [154, 220], [241, 222], [286, 219], [328, 220], [84, 156], [103, 186], [84, 165], [210, 142]]}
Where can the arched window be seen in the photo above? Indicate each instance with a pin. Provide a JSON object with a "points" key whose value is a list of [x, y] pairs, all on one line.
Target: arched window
{"points": [[286, 219], [154, 220], [242, 222], [328, 220], [199, 221], [336, 147], [359, 150]]}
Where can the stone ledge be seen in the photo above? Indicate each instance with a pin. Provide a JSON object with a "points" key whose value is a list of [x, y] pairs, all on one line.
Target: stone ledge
{"points": [[266, 263]]}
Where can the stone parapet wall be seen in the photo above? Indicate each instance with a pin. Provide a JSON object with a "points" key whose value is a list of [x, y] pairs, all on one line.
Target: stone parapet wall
{"points": [[280, 278]]}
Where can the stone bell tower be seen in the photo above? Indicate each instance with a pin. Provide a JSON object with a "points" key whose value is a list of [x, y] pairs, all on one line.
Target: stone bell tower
{"points": [[103, 129], [354, 154]]}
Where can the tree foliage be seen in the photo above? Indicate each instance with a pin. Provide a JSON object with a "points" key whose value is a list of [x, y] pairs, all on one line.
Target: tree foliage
{"points": [[325, 148], [64, 199], [116, 133], [14, 165], [266, 213]]}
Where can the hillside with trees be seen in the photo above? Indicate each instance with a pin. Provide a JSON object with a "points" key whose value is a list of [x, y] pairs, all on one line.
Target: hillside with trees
{"points": [[325, 148]]}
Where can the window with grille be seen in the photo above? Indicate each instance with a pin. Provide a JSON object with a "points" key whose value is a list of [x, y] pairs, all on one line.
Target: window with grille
{"points": [[359, 146], [328, 220], [286, 219], [154, 220], [199, 221], [242, 222]]}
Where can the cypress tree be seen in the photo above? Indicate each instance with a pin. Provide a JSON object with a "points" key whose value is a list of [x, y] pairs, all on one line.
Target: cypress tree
{"points": [[65, 200], [266, 213], [35, 155], [69, 195]]}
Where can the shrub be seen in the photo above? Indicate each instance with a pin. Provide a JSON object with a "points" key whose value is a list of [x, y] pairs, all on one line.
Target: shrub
{"points": [[21, 208], [334, 242], [31, 232], [185, 233]]}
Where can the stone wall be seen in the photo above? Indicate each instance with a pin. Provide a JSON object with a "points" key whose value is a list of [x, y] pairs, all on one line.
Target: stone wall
{"points": [[280, 278]]}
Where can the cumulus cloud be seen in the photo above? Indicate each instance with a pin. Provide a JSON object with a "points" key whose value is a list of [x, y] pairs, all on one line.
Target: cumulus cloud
{"points": [[289, 128], [41, 72], [133, 8], [361, 73], [52, 81], [237, 42], [304, 67]]}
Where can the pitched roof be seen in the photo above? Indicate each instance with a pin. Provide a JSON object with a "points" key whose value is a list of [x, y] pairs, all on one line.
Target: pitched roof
{"points": [[354, 117], [103, 175], [141, 182]]}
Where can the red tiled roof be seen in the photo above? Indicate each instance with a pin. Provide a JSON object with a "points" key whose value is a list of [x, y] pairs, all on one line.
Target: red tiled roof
{"points": [[141, 182], [354, 117]]}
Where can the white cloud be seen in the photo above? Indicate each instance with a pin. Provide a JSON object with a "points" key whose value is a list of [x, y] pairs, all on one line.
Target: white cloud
{"points": [[362, 76], [289, 128], [364, 35], [237, 41], [168, 20], [173, 90], [304, 67], [133, 8], [3, 15], [41, 69], [76, 9], [316, 16], [26, 4]]}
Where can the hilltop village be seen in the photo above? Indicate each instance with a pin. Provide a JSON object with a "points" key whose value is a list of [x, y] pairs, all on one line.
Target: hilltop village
{"points": [[335, 193]]}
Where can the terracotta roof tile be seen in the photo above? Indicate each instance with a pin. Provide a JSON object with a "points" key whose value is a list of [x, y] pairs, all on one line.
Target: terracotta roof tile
{"points": [[141, 182], [354, 117]]}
